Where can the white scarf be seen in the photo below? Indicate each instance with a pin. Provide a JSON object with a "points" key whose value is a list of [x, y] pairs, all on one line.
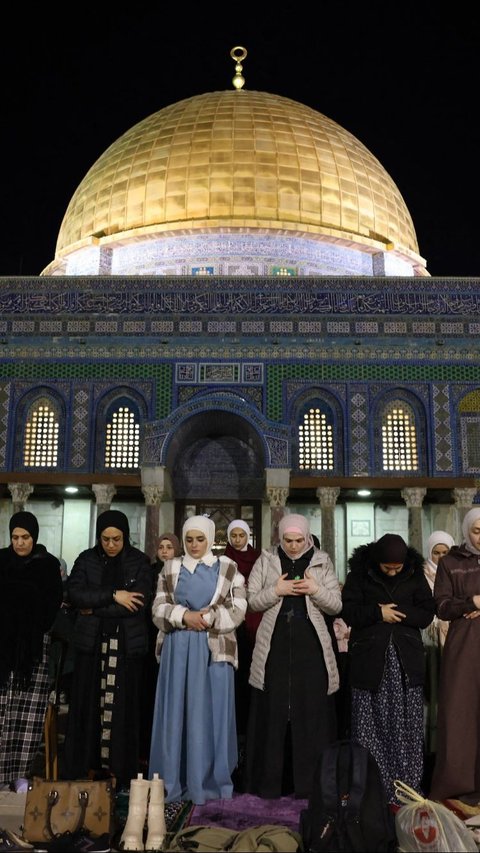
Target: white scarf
{"points": [[206, 526], [239, 522]]}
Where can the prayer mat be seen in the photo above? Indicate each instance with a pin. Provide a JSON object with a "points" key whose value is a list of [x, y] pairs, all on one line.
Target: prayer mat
{"points": [[243, 811]]}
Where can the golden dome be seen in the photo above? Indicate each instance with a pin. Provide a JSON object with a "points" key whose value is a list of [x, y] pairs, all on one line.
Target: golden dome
{"points": [[239, 161]]}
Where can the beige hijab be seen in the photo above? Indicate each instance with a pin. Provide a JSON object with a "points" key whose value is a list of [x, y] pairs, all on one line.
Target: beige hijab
{"points": [[438, 537]]}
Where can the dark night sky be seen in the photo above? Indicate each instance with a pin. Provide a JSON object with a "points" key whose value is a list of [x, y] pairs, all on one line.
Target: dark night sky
{"points": [[401, 76]]}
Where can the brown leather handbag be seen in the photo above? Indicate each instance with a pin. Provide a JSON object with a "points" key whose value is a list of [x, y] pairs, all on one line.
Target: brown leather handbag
{"points": [[55, 807]]}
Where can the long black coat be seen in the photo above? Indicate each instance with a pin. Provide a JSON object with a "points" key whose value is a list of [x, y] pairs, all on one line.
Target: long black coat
{"points": [[365, 589], [90, 587], [30, 596]]}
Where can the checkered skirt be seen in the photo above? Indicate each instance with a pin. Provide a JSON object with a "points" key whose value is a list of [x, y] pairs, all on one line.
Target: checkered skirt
{"points": [[22, 717]]}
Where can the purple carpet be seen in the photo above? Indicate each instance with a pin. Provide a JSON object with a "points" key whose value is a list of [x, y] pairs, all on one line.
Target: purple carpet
{"points": [[245, 810]]}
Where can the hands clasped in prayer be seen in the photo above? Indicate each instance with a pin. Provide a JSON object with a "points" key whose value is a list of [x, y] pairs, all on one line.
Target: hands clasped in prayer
{"points": [[298, 586], [131, 600], [390, 613], [194, 620]]}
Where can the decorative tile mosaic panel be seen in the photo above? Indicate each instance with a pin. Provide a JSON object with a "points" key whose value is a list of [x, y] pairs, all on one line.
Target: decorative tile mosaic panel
{"points": [[359, 447], [102, 326], [342, 327], [279, 452], [78, 326], [249, 326], [134, 326], [311, 327], [5, 388], [216, 327], [51, 326], [161, 326], [186, 373], [222, 373], [23, 326], [367, 328], [452, 328], [190, 326], [252, 373], [423, 328], [442, 428], [80, 427], [285, 326], [398, 328]]}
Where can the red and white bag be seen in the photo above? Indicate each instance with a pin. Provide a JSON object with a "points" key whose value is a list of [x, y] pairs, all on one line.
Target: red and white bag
{"points": [[424, 826]]}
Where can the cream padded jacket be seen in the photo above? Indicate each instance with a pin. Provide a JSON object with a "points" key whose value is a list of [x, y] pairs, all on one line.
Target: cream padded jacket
{"points": [[261, 596]]}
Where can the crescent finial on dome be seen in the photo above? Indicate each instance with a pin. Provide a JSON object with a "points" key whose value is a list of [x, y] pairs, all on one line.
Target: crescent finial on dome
{"points": [[238, 54]]}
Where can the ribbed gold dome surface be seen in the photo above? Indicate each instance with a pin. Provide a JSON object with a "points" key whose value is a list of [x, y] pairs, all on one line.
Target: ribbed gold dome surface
{"points": [[242, 160]]}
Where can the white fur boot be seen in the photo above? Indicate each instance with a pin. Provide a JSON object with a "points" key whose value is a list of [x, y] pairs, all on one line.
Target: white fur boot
{"points": [[132, 835], [156, 815]]}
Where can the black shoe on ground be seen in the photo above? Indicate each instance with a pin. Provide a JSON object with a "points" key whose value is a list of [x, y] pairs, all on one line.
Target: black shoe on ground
{"points": [[11, 842], [76, 842]]}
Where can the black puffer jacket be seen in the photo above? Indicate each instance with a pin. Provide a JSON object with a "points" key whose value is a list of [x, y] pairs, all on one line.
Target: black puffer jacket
{"points": [[87, 589], [366, 587]]}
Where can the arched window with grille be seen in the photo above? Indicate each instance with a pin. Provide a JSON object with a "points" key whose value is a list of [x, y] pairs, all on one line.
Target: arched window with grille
{"points": [[317, 418], [316, 450], [399, 442], [122, 437], [469, 414], [41, 435]]}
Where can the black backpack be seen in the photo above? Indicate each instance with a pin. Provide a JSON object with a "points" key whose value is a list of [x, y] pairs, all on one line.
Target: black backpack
{"points": [[348, 809]]}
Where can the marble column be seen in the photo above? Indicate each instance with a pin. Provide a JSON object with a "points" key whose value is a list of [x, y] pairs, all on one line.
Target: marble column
{"points": [[156, 487], [277, 497], [20, 493], [104, 494], [328, 496], [463, 500], [153, 497], [413, 498]]}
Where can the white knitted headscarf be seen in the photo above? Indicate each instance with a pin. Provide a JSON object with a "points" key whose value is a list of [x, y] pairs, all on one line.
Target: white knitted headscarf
{"points": [[239, 522], [471, 517], [206, 526]]}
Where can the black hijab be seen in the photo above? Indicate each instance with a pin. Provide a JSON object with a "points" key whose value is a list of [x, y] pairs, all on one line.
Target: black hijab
{"points": [[27, 521], [113, 518]]}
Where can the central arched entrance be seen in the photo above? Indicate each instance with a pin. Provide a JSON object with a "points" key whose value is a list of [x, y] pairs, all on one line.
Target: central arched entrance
{"points": [[217, 465]]}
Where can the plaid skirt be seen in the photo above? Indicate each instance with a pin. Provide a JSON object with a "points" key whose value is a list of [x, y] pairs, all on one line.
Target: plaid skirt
{"points": [[22, 717]]}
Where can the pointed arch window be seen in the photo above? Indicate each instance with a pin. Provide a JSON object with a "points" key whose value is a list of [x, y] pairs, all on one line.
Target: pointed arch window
{"points": [[122, 439], [399, 438], [316, 441], [40, 445], [469, 409]]}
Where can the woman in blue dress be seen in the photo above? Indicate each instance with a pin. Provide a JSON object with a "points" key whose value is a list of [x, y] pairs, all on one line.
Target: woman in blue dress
{"points": [[200, 601]]}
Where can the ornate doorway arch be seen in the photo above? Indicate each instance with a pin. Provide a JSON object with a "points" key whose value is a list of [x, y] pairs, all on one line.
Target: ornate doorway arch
{"points": [[217, 466]]}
